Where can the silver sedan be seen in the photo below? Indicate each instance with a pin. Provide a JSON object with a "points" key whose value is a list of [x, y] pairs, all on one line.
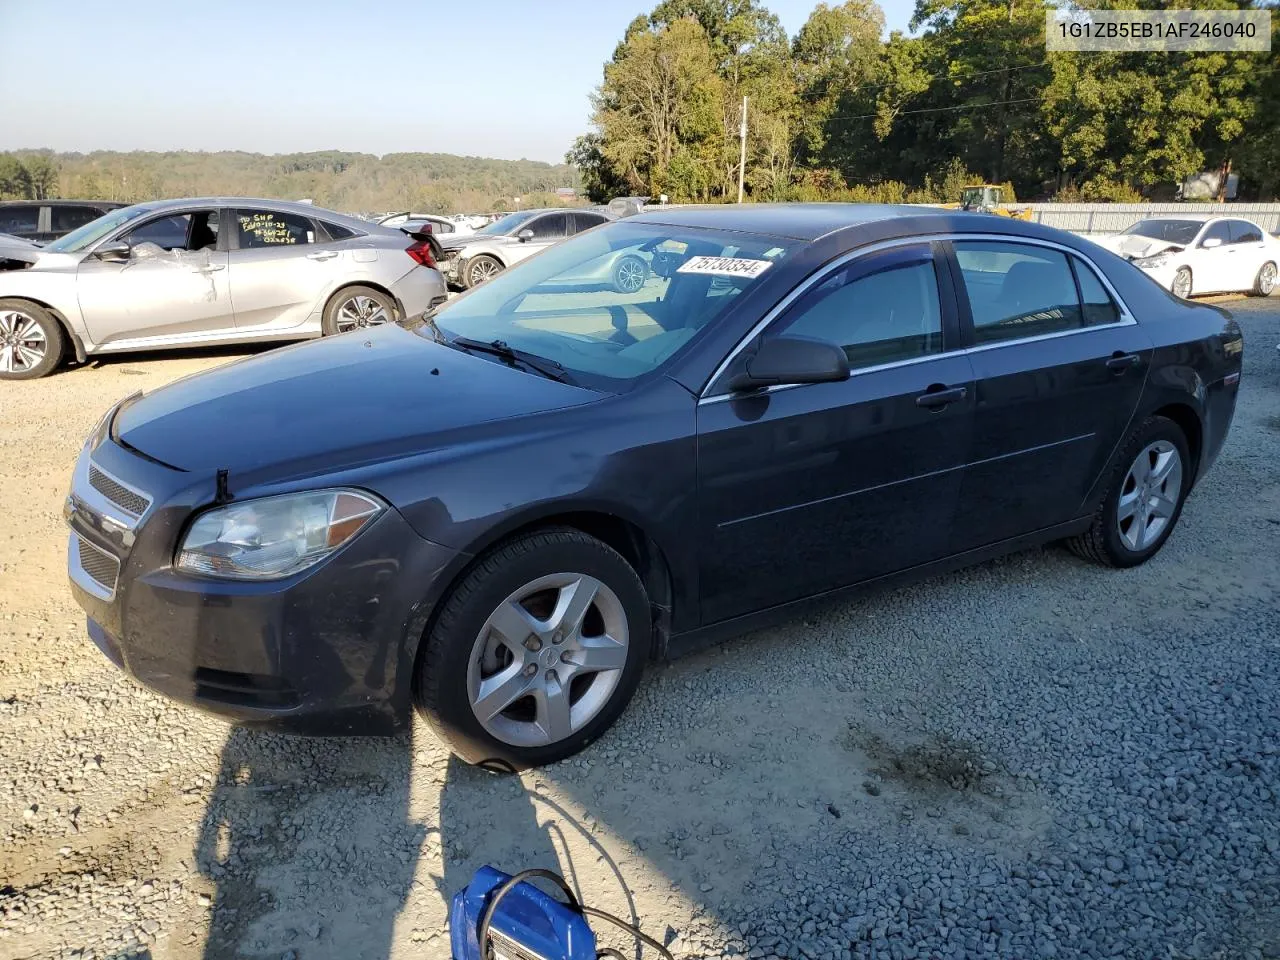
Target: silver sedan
{"points": [[180, 273]]}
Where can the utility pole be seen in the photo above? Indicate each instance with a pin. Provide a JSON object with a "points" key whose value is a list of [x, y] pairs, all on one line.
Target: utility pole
{"points": [[742, 154]]}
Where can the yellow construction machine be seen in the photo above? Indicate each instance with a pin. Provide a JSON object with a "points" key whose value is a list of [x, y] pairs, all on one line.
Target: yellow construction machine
{"points": [[988, 198]]}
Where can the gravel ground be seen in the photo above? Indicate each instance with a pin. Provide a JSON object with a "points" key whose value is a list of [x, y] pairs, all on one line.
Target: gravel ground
{"points": [[1033, 758]]}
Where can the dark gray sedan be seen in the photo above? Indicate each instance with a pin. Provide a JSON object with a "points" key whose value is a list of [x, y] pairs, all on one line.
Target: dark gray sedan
{"points": [[502, 513]]}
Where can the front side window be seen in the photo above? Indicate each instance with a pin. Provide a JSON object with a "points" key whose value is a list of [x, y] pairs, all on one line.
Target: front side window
{"points": [[616, 303], [180, 231], [1242, 231], [1216, 231], [879, 313], [1017, 290], [272, 228]]}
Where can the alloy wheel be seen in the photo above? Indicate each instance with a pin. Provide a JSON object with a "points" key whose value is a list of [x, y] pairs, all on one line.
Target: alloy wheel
{"points": [[1267, 279], [23, 344], [1149, 495], [630, 276], [547, 660], [359, 312], [482, 270], [1182, 283]]}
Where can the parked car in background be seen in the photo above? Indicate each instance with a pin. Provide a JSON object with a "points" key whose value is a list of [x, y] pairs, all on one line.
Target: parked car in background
{"points": [[423, 223], [45, 220], [178, 273], [470, 260], [1191, 256], [503, 511]]}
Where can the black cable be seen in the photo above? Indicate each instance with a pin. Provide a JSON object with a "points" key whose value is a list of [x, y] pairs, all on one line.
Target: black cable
{"points": [[482, 932]]}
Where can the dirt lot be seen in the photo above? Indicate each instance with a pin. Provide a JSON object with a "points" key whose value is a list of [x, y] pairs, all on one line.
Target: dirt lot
{"points": [[1036, 757]]}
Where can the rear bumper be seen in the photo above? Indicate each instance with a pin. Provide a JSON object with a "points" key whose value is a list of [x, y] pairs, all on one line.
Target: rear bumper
{"points": [[419, 289], [329, 651]]}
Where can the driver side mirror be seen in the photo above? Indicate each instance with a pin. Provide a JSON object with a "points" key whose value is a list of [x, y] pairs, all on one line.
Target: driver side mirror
{"points": [[525, 235], [793, 360], [1211, 242], [117, 252]]}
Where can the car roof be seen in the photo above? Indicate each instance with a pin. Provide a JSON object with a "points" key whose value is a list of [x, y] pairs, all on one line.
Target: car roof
{"points": [[795, 221], [286, 206], [106, 204]]}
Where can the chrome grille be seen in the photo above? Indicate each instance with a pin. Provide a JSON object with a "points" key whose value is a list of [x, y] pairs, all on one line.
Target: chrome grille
{"points": [[128, 500], [100, 566]]}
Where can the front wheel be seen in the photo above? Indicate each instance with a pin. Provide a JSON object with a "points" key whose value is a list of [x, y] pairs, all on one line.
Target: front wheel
{"points": [[536, 652], [1144, 500], [1182, 283], [1265, 282], [629, 274], [481, 268], [31, 341]]}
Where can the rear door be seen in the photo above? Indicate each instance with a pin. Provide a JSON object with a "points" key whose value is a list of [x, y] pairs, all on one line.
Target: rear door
{"points": [[174, 284], [1060, 367], [280, 265], [807, 488], [1249, 252]]}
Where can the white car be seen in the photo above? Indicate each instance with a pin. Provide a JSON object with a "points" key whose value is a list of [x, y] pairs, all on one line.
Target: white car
{"points": [[1189, 256], [472, 259]]}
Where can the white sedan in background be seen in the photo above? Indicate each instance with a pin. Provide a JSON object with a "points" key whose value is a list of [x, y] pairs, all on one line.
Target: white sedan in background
{"points": [[1186, 256]]}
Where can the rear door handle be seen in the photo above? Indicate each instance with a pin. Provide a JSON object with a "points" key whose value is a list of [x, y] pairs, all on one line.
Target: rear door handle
{"points": [[322, 255], [1120, 362], [939, 396]]}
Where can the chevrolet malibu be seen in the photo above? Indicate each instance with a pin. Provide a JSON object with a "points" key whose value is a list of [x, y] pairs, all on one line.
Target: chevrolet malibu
{"points": [[501, 511]]}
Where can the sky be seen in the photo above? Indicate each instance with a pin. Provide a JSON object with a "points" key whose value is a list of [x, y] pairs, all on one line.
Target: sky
{"points": [[500, 78]]}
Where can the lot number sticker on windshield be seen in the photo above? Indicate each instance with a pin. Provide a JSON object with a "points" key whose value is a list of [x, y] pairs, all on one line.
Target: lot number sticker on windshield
{"points": [[725, 266]]}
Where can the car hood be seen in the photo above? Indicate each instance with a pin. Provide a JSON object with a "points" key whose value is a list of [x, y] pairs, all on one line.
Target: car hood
{"points": [[332, 404], [1132, 246], [18, 249]]}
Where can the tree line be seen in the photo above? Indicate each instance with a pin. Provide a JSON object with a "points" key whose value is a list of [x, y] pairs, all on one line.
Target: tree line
{"points": [[971, 94], [353, 182]]}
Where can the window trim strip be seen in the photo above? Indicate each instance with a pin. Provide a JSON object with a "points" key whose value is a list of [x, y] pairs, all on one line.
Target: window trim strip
{"points": [[1126, 316]]}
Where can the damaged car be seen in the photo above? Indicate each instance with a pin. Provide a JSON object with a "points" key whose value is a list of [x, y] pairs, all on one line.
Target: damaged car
{"points": [[473, 258], [1192, 257], [201, 272]]}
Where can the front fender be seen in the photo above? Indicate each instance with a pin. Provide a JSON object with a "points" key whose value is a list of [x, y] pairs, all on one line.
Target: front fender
{"points": [[55, 291]]}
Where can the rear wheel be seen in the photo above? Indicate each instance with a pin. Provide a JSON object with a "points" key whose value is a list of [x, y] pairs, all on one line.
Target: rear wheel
{"points": [[1144, 500], [356, 308], [536, 652], [1265, 282], [31, 340], [1182, 283]]}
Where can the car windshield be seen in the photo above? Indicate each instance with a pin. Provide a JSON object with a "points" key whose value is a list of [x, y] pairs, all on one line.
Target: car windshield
{"points": [[616, 303], [95, 230], [1172, 231], [507, 223]]}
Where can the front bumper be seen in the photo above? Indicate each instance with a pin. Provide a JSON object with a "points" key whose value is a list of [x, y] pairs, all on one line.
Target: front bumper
{"points": [[1162, 274], [328, 651]]}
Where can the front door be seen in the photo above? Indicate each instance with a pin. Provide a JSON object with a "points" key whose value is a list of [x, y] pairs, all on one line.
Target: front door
{"points": [[279, 265], [1212, 267], [807, 488], [174, 283], [1059, 369]]}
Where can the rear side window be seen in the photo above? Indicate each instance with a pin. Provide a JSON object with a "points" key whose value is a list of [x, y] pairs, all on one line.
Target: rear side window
{"points": [[550, 227], [64, 219], [1098, 306], [272, 228], [1244, 232], [20, 218], [1017, 290], [883, 316], [585, 221]]}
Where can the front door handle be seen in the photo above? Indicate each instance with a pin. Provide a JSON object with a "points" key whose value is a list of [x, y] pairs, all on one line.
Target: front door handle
{"points": [[322, 255], [939, 396], [1120, 362]]}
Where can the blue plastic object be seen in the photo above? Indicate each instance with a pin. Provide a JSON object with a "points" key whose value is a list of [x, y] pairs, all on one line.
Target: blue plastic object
{"points": [[527, 924]]}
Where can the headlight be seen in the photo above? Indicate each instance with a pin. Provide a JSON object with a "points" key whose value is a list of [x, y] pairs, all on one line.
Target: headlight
{"points": [[1150, 263], [275, 536]]}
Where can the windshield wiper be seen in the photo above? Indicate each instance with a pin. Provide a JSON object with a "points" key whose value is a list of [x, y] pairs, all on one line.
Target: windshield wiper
{"points": [[503, 351]]}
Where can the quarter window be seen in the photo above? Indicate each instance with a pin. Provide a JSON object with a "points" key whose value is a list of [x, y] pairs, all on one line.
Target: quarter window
{"points": [[272, 228], [884, 316], [1017, 290], [1099, 308], [337, 232]]}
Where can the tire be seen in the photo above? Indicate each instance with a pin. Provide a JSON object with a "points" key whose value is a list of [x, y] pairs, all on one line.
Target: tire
{"points": [[1265, 281], [1111, 542], [481, 268], [463, 649], [31, 340], [1181, 280], [357, 308], [629, 274]]}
